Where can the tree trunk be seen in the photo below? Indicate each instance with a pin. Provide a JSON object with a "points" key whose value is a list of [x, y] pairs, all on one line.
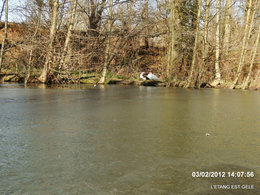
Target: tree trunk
{"points": [[247, 33], [66, 44], [227, 35], [40, 4], [146, 24], [45, 71], [217, 69], [95, 16], [189, 80], [169, 66], [253, 54], [2, 10], [246, 11], [107, 50], [205, 41], [194, 14], [205, 33], [5, 35], [171, 48]]}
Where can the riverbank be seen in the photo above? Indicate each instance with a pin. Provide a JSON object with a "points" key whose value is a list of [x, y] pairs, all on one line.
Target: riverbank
{"points": [[112, 79], [83, 79]]}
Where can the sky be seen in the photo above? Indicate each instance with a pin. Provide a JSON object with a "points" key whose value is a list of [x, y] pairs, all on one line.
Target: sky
{"points": [[14, 14]]}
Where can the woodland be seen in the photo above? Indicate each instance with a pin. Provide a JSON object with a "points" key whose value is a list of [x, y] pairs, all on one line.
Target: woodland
{"points": [[186, 43]]}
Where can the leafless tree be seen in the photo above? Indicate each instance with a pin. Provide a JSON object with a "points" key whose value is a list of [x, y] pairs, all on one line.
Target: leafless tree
{"points": [[5, 36]]}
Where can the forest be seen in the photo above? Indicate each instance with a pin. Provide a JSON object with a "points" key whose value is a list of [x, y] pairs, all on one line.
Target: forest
{"points": [[186, 43]]}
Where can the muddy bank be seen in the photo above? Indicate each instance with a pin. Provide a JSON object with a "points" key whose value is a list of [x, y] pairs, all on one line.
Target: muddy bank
{"points": [[94, 78], [10, 77], [91, 79]]}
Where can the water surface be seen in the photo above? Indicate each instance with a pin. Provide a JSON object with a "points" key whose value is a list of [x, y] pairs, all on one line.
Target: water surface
{"points": [[126, 140]]}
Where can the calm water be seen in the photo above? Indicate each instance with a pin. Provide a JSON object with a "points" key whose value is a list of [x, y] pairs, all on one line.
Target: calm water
{"points": [[126, 140]]}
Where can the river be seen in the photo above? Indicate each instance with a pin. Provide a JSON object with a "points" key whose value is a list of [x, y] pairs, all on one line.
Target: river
{"points": [[127, 140]]}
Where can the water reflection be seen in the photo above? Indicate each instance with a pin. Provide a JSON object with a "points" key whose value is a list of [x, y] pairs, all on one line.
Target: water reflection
{"points": [[124, 140]]}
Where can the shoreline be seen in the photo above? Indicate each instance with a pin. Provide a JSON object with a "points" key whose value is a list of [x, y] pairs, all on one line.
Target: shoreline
{"points": [[93, 80]]}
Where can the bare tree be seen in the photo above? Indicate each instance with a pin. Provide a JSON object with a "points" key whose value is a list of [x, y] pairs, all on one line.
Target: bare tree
{"points": [[217, 69], [107, 50], [54, 16], [95, 16], [33, 40], [68, 37], [2, 10], [247, 34], [192, 68], [228, 17], [205, 40], [5, 35], [253, 55], [88, 35], [146, 24], [171, 48]]}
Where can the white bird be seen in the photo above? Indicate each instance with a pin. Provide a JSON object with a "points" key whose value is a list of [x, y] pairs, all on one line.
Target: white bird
{"points": [[143, 76], [151, 76]]}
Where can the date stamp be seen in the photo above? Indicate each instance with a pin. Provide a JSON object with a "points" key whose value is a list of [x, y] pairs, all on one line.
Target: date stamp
{"points": [[232, 187], [223, 174], [226, 174]]}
